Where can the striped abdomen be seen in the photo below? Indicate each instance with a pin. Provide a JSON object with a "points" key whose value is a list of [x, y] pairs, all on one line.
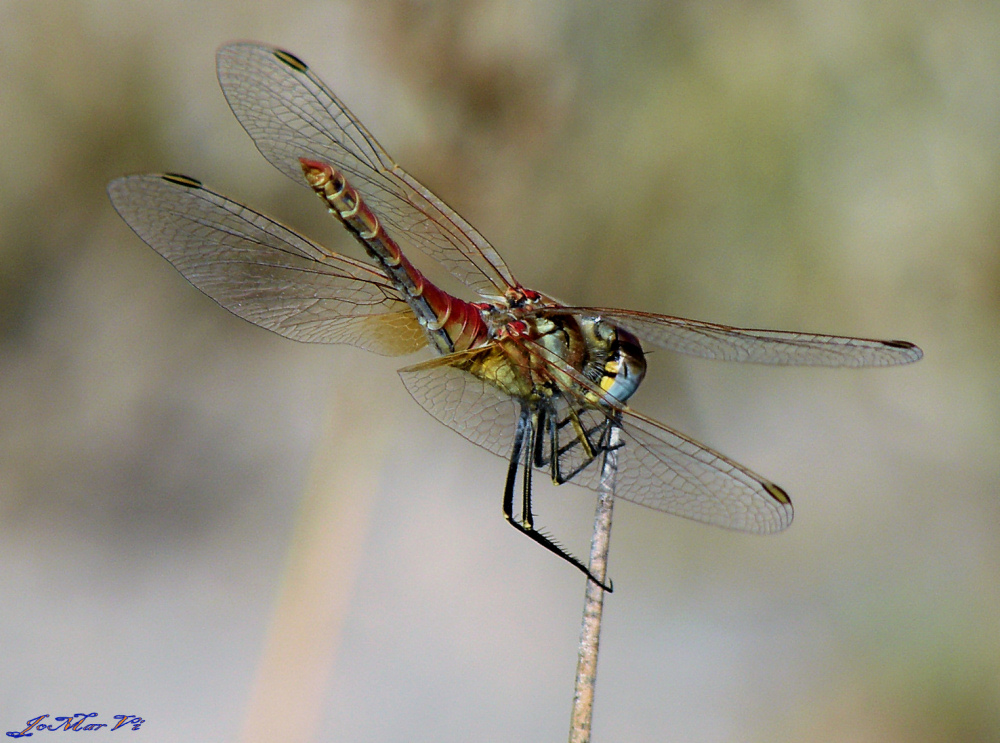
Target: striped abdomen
{"points": [[451, 323]]}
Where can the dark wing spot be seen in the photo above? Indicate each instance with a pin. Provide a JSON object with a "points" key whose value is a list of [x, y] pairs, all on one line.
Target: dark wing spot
{"points": [[182, 180], [778, 494], [291, 60]]}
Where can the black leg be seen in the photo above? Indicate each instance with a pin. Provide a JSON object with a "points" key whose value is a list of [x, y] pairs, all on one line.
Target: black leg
{"points": [[527, 425], [527, 517], [515, 461]]}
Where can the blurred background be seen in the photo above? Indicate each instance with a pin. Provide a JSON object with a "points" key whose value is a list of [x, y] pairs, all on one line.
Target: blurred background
{"points": [[241, 538]]}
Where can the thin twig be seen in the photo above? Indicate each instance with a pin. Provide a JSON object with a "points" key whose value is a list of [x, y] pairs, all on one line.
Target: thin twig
{"points": [[593, 605]]}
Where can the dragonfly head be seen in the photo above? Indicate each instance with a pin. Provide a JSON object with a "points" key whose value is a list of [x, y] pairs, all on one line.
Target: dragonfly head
{"points": [[625, 368], [617, 355]]}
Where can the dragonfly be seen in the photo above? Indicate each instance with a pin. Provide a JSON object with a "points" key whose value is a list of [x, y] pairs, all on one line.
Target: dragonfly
{"points": [[543, 384]]}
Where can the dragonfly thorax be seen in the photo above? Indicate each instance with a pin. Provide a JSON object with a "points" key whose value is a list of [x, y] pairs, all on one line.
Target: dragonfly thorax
{"points": [[607, 355]]}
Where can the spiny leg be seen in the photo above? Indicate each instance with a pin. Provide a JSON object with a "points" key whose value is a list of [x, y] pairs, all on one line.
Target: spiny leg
{"points": [[594, 441], [542, 434], [581, 435], [591, 445], [547, 430], [527, 426]]}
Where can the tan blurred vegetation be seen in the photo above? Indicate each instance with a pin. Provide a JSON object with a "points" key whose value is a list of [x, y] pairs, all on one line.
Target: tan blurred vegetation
{"points": [[830, 167]]}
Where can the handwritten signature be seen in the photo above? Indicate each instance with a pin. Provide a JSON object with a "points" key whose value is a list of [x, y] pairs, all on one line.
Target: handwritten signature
{"points": [[75, 722]]}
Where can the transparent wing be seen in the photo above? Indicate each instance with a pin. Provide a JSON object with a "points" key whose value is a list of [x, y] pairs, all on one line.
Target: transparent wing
{"points": [[778, 347], [290, 113], [663, 469], [478, 410], [657, 467], [263, 272]]}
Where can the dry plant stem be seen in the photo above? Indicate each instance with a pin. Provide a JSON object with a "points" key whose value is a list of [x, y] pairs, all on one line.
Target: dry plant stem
{"points": [[303, 641], [590, 630]]}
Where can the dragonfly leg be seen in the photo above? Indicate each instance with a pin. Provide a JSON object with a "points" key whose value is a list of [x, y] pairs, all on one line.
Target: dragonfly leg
{"points": [[594, 441], [548, 429], [527, 427], [527, 470], [581, 434]]}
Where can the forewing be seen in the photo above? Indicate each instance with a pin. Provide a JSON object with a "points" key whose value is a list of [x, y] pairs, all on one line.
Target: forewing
{"points": [[290, 113], [262, 271], [778, 347]]}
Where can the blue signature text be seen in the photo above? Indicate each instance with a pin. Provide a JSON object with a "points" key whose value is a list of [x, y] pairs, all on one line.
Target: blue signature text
{"points": [[77, 722]]}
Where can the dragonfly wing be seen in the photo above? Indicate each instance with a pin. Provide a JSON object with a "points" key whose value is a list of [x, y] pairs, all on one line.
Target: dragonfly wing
{"points": [[665, 470], [290, 113], [657, 467], [478, 410], [778, 347], [262, 271]]}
